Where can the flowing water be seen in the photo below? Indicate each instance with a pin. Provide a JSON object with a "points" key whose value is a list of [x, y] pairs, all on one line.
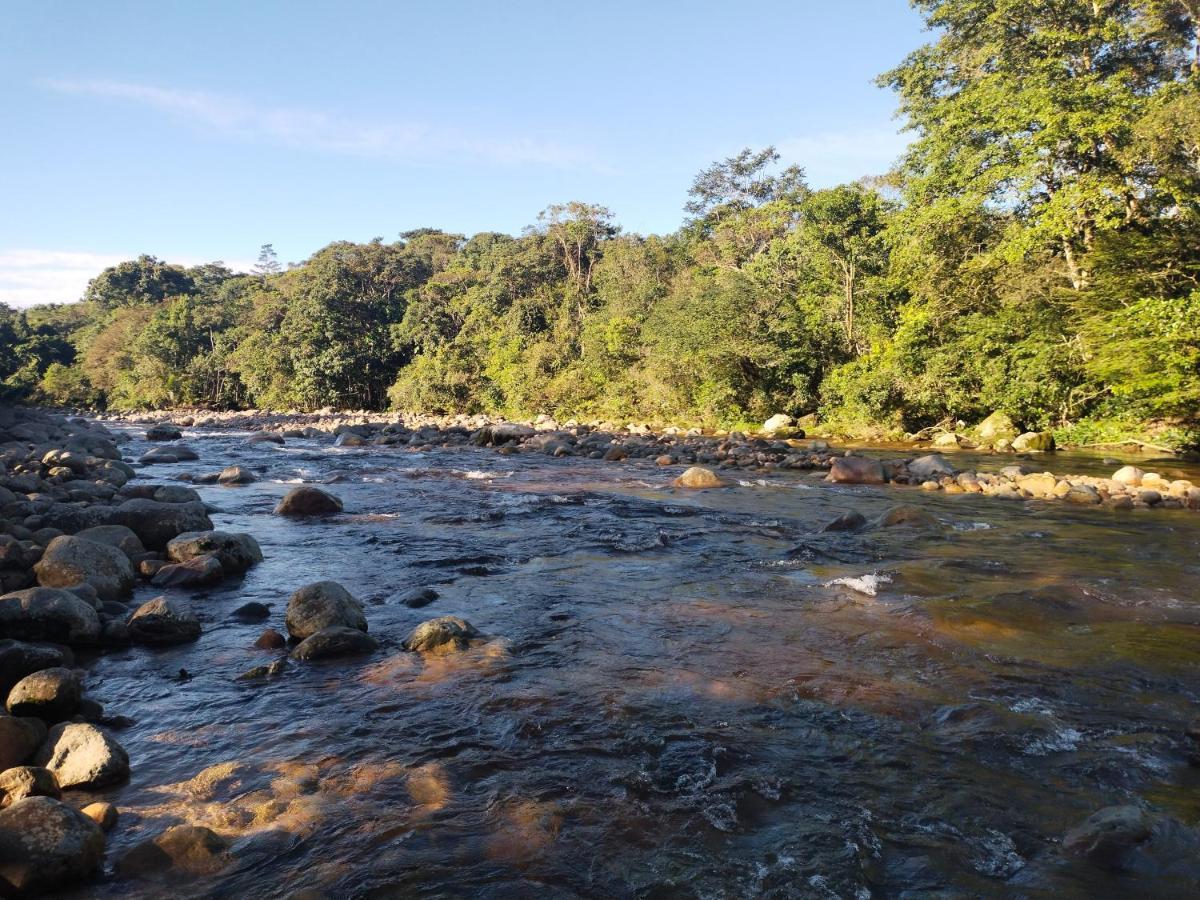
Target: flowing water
{"points": [[685, 695]]}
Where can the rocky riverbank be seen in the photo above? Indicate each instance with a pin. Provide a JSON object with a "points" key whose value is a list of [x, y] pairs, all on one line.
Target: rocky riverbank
{"points": [[80, 533]]}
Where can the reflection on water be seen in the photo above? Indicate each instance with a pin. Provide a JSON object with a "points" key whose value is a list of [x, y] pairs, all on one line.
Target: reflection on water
{"points": [[683, 694]]}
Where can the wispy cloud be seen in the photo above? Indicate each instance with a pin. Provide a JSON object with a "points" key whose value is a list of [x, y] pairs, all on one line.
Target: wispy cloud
{"points": [[836, 157], [32, 277], [325, 132]]}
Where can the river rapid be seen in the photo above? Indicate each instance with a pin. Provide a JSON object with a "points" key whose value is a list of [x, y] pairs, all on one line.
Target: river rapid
{"points": [[686, 694]]}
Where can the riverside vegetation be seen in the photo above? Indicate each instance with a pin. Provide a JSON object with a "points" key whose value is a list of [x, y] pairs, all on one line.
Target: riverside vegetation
{"points": [[1035, 252]]}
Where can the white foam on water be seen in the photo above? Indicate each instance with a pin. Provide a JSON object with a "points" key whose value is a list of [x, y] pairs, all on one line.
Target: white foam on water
{"points": [[863, 584]]}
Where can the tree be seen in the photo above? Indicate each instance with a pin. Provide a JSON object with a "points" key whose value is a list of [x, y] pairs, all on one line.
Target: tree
{"points": [[145, 280], [742, 182], [578, 230], [268, 262]]}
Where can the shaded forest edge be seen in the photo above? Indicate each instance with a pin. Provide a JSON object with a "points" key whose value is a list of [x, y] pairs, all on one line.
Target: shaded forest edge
{"points": [[1036, 252]]}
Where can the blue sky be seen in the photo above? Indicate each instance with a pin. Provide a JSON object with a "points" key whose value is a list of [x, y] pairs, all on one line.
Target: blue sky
{"points": [[199, 131]]}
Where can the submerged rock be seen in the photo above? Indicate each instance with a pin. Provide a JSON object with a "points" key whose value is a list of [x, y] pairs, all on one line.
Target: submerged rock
{"points": [[905, 515], [321, 605], [847, 521], [81, 755], [308, 501], [232, 475], [46, 845], [441, 635], [190, 849]]}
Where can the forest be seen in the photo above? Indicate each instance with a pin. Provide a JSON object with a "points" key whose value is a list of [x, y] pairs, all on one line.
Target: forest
{"points": [[1036, 251]]}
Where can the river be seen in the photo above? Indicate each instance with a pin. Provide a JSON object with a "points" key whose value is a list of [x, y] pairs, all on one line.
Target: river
{"points": [[686, 694]]}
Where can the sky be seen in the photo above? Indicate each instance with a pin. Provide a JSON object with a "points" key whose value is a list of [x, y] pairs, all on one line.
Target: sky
{"points": [[200, 131]]}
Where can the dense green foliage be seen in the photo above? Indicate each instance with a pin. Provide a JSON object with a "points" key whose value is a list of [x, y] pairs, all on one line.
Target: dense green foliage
{"points": [[1036, 251]]}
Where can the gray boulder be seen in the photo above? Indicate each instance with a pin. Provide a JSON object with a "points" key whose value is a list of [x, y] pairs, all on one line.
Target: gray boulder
{"points": [[308, 501], [115, 536], [71, 560], [48, 614], [81, 755], [46, 845], [336, 640], [164, 620], [163, 432], [315, 607], [236, 552], [51, 695], [930, 467], [156, 523], [856, 470]]}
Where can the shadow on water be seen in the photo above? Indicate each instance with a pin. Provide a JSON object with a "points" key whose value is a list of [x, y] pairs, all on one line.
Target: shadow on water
{"points": [[685, 694]]}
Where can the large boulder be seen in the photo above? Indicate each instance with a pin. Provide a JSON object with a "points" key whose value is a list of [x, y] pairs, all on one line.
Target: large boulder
{"points": [[156, 523], [19, 739], [321, 605], [21, 782], [81, 755], [115, 536], [236, 475], [930, 467], [778, 422], [236, 552], [48, 614], [442, 635], [46, 845], [308, 501], [18, 659], [996, 426], [856, 470], [699, 477], [71, 560], [51, 695], [164, 620], [336, 640], [163, 432], [1033, 442]]}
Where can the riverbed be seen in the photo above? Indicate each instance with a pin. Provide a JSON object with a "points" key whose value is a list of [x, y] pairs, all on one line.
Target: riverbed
{"points": [[683, 694]]}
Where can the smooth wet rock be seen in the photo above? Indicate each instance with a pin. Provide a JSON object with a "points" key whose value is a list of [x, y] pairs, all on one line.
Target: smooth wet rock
{"points": [[419, 597], [103, 814], [48, 614], [251, 612], [1083, 495], [235, 552], [1130, 476], [265, 437], [271, 670], [441, 635], [1033, 442], [308, 501], [856, 470], [20, 782], [847, 521], [45, 845], [51, 695], [19, 739], [187, 849], [163, 621], [1108, 837], [698, 478], [82, 755], [905, 515], [318, 606], [156, 523], [334, 641], [232, 475], [175, 493], [270, 639], [200, 571], [69, 560]]}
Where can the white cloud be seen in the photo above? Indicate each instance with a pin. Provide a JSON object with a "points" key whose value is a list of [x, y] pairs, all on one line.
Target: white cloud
{"points": [[324, 132], [31, 277], [837, 157]]}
